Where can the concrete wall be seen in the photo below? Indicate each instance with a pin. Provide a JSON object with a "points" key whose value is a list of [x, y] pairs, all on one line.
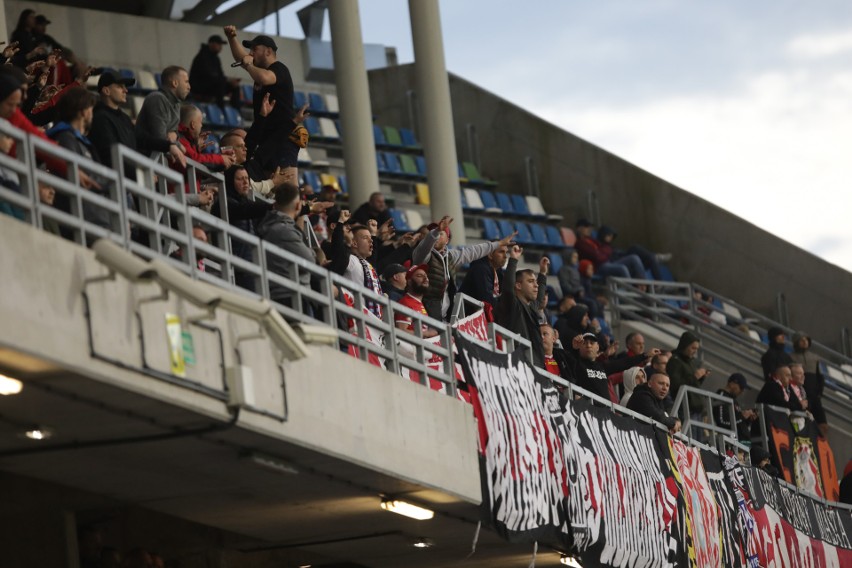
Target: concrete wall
{"points": [[711, 246], [365, 416]]}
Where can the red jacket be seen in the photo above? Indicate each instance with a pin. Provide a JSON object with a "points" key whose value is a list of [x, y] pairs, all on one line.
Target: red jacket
{"points": [[594, 250], [190, 147], [19, 120]]}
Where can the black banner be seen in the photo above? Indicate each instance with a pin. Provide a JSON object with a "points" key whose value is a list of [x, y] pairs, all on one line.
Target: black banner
{"points": [[618, 492]]}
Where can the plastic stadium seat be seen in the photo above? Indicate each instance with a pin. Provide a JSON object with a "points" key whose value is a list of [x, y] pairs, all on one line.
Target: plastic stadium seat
{"points": [[392, 136], [421, 165], [329, 128], [312, 179], [247, 92], [506, 227], [408, 165], [524, 236], [158, 79], [539, 235], [313, 126], [136, 103], [462, 176], [471, 197], [299, 99], [233, 118], [568, 236], [125, 73], [215, 116], [666, 273], [145, 80], [213, 147], [317, 102], [421, 190], [519, 204], [328, 179], [380, 163], [489, 202], [408, 138], [392, 163], [379, 135], [344, 186], [304, 157], [471, 172], [489, 230], [415, 219], [504, 202], [400, 220], [331, 104], [535, 207], [554, 237], [556, 262]]}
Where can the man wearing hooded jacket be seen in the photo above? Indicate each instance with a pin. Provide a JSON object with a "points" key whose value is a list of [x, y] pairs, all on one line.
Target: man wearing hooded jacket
{"points": [[775, 355]]}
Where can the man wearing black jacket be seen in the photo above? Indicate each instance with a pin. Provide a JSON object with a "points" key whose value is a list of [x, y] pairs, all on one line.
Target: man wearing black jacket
{"points": [[523, 295], [776, 391], [648, 399], [207, 77], [587, 372], [110, 125]]}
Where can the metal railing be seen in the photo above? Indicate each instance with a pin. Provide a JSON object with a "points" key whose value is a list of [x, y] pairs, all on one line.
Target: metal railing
{"points": [[666, 304], [721, 437]]}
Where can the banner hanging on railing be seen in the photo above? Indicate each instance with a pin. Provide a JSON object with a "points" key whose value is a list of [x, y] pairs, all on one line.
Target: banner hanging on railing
{"points": [[802, 456], [619, 492]]}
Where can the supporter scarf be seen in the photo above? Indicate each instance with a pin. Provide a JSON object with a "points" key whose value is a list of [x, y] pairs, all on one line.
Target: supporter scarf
{"points": [[371, 281], [784, 389]]}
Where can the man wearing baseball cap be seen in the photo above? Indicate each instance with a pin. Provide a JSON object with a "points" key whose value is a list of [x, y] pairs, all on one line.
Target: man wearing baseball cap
{"points": [[268, 142], [394, 281], [110, 125], [417, 283], [207, 78]]}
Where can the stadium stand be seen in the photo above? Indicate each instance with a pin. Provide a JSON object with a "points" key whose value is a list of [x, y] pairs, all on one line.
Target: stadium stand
{"points": [[203, 239]]}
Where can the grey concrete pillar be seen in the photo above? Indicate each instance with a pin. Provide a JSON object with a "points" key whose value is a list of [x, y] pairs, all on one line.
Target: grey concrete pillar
{"points": [[353, 93], [436, 114], [4, 31]]}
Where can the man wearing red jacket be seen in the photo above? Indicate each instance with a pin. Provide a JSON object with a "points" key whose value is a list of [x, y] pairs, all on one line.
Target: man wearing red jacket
{"points": [[189, 132], [600, 254]]}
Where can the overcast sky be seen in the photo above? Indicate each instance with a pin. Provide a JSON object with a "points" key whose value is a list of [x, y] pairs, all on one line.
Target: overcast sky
{"points": [[746, 104]]}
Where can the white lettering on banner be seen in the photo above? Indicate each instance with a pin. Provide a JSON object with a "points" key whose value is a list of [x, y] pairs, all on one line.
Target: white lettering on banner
{"points": [[617, 483], [831, 527], [525, 475]]}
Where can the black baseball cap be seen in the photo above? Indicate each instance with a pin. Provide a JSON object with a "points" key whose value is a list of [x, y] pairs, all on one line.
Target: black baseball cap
{"points": [[583, 222], [41, 19], [590, 337], [263, 40], [110, 78], [740, 379], [392, 270], [216, 38]]}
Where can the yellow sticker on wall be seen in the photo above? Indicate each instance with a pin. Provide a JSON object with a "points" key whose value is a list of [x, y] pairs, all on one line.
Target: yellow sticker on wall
{"points": [[177, 363]]}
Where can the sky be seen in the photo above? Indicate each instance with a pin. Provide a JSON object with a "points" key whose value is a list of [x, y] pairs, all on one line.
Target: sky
{"points": [[746, 104]]}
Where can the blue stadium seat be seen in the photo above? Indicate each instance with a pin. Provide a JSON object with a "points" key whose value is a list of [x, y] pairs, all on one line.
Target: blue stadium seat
{"points": [[317, 102], [506, 228], [400, 221], [344, 185], [524, 236], [247, 92], [489, 201], [519, 204], [392, 163], [312, 124], [379, 135], [421, 165], [490, 231], [213, 147], [463, 201], [408, 138], [556, 262], [233, 118], [312, 178], [380, 162], [539, 235], [554, 237], [127, 73], [666, 273], [504, 203], [215, 116], [158, 77], [299, 99]]}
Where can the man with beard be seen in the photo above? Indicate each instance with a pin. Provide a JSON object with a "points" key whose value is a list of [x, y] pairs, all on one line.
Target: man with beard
{"points": [[417, 283]]}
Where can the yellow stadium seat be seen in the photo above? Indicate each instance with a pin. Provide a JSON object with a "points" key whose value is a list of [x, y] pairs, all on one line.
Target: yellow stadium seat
{"points": [[422, 191]]}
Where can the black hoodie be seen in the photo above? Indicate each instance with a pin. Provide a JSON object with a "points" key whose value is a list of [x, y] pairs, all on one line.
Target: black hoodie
{"points": [[775, 356], [569, 325]]}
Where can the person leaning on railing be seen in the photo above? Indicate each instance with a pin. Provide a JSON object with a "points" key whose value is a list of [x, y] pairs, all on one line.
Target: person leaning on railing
{"points": [[647, 399]]}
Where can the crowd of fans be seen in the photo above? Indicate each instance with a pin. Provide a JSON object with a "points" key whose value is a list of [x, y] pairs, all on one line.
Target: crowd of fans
{"points": [[44, 85]]}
